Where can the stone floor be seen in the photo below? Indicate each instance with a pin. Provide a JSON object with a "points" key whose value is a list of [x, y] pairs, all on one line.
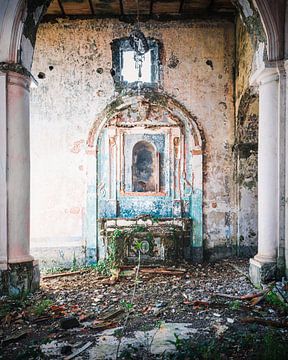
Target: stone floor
{"points": [[195, 312]]}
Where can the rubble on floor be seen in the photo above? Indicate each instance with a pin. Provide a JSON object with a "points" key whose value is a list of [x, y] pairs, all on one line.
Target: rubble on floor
{"points": [[204, 311]]}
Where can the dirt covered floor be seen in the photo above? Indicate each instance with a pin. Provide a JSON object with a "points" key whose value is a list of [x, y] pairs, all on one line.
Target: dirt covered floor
{"points": [[208, 311]]}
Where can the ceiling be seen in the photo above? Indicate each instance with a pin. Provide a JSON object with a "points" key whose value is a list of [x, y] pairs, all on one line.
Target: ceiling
{"points": [[147, 8]]}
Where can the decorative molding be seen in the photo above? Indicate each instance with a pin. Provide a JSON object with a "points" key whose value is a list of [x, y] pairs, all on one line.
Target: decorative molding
{"points": [[273, 19], [11, 29], [265, 75], [16, 68], [19, 80], [17, 31]]}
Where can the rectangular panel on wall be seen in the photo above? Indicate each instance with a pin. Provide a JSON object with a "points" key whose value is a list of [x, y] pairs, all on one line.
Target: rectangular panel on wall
{"points": [[101, 7], [54, 8], [195, 6], [130, 7], [166, 7], [76, 7]]}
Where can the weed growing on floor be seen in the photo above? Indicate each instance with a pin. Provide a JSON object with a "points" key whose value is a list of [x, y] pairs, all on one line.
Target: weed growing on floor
{"points": [[272, 348], [111, 262], [14, 303], [274, 300], [235, 305], [74, 266], [33, 352], [129, 305], [41, 307]]}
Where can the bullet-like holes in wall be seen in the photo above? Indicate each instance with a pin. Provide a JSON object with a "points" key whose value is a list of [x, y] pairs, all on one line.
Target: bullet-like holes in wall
{"points": [[41, 75]]}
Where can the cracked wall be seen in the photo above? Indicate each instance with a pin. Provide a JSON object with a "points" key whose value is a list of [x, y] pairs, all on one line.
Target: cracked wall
{"points": [[196, 70]]}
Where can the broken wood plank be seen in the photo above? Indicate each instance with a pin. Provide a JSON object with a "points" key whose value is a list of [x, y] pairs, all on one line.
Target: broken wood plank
{"points": [[68, 273], [103, 325], [16, 336], [197, 304], [41, 319], [260, 321], [163, 271], [256, 301], [241, 297], [112, 314], [79, 351]]}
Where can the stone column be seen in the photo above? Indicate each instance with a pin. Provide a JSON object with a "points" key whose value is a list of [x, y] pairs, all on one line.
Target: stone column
{"points": [[3, 175], [263, 265], [21, 273], [286, 168], [282, 144]]}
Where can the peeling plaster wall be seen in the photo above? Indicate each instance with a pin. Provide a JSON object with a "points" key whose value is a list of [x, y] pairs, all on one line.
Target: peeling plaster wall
{"points": [[244, 61], [72, 55], [246, 143]]}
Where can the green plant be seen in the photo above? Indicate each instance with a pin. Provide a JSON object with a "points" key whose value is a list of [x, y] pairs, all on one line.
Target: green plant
{"points": [[14, 302], [42, 307], [127, 306], [273, 348], [32, 352], [186, 349], [130, 305], [274, 300], [178, 342], [235, 305], [74, 263], [112, 261]]}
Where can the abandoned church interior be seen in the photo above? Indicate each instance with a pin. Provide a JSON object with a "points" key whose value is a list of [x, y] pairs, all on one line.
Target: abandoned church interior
{"points": [[155, 127], [176, 149]]}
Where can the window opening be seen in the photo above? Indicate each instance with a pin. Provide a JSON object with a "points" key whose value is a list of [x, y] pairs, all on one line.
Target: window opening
{"points": [[131, 71], [126, 70]]}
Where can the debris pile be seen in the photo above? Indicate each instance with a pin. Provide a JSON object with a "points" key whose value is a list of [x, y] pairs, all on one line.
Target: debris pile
{"points": [[69, 315]]}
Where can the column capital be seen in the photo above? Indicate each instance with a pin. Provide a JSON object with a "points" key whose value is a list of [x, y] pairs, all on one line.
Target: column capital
{"points": [[14, 67], [265, 75], [18, 71], [18, 79]]}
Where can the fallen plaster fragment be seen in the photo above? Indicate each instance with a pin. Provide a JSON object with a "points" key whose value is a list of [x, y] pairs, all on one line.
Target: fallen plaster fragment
{"points": [[158, 340], [79, 351]]}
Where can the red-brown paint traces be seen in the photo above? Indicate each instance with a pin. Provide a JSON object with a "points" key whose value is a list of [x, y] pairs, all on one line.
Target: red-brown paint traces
{"points": [[196, 152], [75, 210], [77, 146]]}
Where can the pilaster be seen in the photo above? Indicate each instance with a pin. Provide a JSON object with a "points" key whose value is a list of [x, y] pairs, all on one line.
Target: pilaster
{"points": [[18, 270], [282, 175]]}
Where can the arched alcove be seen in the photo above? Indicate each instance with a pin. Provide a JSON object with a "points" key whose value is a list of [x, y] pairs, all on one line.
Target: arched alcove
{"points": [[153, 170]]}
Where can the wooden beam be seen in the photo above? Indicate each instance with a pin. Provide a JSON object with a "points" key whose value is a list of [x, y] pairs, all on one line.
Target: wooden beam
{"points": [[91, 7], [181, 6], [151, 6], [210, 6], [230, 17], [121, 8], [61, 7]]}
